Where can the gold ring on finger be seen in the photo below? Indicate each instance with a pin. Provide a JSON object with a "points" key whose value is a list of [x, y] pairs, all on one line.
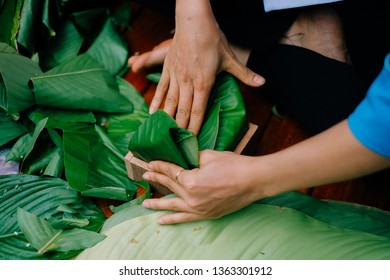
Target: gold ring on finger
{"points": [[177, 175]]}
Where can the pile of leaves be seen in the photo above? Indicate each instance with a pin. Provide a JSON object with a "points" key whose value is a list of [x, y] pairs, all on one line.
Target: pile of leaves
{"points": [[66, 117]]}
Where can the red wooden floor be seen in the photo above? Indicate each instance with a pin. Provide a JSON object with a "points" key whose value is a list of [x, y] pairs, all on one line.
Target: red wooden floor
{"points": [[274, 133]]}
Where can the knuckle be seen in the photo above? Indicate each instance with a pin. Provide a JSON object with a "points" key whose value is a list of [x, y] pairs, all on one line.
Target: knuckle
{"points": [[185, 80], [171, 100], [183, 114], [201, 86], [196, 112], [174, 206], [190, 185], [188, 218], [194, 204]]}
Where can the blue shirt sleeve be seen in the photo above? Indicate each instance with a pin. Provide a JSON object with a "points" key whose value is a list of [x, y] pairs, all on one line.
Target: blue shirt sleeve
{"points": [[270, 5], [370, 122]]}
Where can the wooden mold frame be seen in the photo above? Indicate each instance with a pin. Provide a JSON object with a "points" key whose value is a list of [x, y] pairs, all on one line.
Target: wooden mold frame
{"points": [[137, 167]]}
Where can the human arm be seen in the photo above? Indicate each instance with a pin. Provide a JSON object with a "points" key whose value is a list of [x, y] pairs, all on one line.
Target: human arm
{"points": [[226, 182], [199, 50]]}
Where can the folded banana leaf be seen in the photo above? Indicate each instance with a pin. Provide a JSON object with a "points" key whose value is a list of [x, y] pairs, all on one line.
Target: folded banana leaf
{"points": [[224, 126], [227, 99], [159, 137]]}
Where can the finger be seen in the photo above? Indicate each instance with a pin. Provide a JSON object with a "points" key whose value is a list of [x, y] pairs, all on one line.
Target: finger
{"points": [[172, 99], [167, 181], [164, 167], [198, 109], [161, 91], [183, 212], [172, 204], [244, 74], [179, 217], [185, 103]]}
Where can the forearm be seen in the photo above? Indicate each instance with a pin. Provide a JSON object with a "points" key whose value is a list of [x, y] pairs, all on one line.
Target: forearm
{"points": [[196, 15], [332, 156]]}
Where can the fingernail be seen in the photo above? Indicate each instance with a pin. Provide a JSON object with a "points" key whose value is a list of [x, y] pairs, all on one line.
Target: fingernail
{"points": [[152, 109], [146, 176], [258, 80], [146, 204]]}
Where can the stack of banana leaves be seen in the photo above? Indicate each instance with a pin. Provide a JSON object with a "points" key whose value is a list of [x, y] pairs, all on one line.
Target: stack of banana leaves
{"points": [[67, 120]]}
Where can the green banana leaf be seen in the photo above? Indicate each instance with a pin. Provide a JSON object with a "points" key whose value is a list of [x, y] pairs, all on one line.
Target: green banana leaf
{"points": [[9, 21], [187, 143], [42, 197], [47, 158], [111, 171], [70, 219], [61, 48], [127, 212], [15, 72], [159, 138], [338, 213], [25, 144], [120, 127], [207, 138], [43, 237], [110, 48], [256, 232], [80, 83], [78, 140], [89, 22], [10, 129], [50, 163], [56, 116], [30, 18], [137, 200], [114, 193], [92, 160], [154, 77], [233, 122], [47, 17]]}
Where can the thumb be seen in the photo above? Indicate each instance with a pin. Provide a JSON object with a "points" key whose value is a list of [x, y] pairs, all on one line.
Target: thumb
{"points": [[244, 74]]}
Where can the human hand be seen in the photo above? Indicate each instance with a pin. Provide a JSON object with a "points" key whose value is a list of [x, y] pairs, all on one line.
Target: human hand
{"points": [[199, 50], [221, 185]]}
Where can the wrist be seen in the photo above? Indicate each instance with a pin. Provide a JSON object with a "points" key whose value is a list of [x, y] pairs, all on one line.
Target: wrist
{"points": [[273, 176], [190, 9]]}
